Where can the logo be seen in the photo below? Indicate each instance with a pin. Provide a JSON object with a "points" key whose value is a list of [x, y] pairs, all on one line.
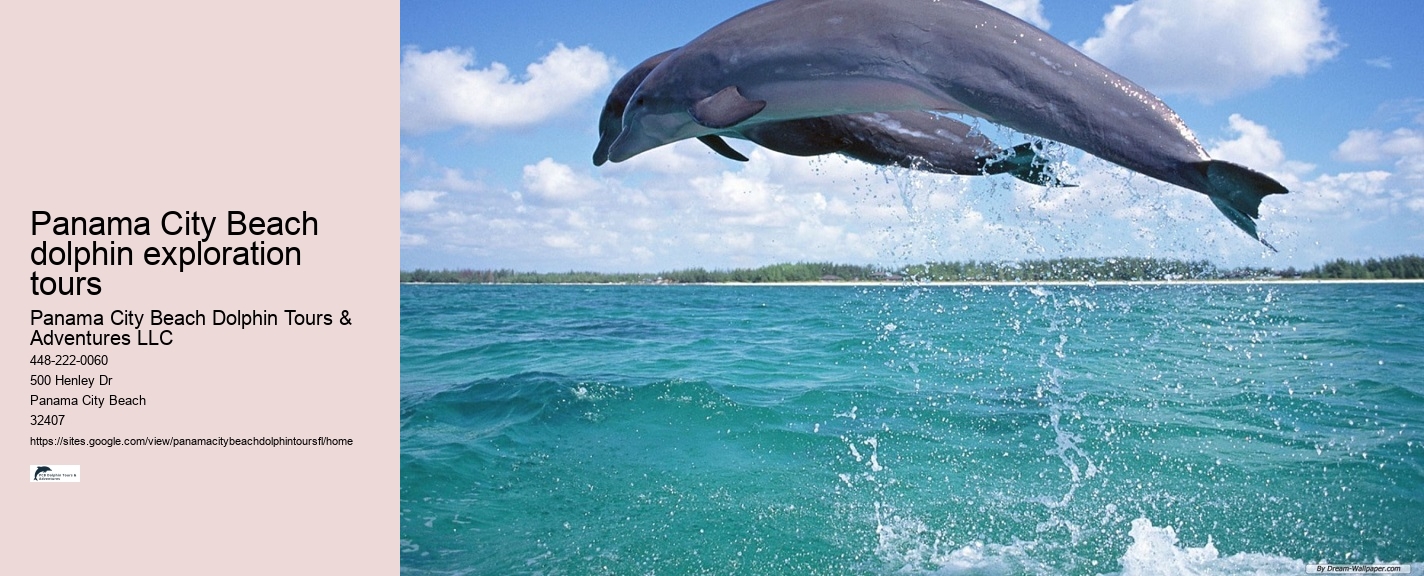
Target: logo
{"points": [[54, 473]]}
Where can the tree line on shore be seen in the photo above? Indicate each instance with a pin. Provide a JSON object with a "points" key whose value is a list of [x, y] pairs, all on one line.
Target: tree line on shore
{"points": [[1059, 269]]}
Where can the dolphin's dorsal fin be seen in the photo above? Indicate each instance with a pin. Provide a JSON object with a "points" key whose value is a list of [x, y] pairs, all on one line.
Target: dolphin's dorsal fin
{"points": [[720, 146], [725, 109]]}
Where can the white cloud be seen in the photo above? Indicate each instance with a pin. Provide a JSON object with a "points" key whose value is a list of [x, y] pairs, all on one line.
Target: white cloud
{"points": [[419, 200], [1213, 48], [556, 182], [1255, 148], [1404, 147], [1344, 193], [1318, 195], [1377, 146], [744, 194], [562, 242], [441, 89], [411, 155], [412, 239], [455, 181], [695, 209], [1383, 62], [1030, 11]]}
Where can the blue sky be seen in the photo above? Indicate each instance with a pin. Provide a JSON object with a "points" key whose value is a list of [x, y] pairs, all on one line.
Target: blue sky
{"points": [[500, 105]]}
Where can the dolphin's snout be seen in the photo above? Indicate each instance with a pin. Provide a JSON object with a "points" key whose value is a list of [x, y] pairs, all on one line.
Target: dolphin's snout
{"points": [[606, 136], [624, 148]]}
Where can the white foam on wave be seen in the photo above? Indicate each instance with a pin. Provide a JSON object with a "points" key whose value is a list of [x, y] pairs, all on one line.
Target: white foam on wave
{"points": [[908, 546], [905, 545], [1156, 551]]}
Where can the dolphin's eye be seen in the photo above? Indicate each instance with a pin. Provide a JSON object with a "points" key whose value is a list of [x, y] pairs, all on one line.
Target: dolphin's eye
{"points": [[640, 101]]}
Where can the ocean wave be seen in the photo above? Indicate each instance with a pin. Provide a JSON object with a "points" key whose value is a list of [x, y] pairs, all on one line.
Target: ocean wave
{"points": [[905, 546], [939, 431]]}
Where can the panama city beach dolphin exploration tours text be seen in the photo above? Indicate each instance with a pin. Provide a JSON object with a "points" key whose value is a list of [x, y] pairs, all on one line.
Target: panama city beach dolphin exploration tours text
{"points": [[76, 255], [100, 245]]}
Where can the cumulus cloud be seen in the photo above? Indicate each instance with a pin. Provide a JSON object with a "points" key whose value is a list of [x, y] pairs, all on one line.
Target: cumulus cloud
{"points": [[419, 200], [1346, 192], [412, 239], [442, 89], [696, 209], [1404, 147], [1213, 49], [455, 181], [1254, 147], [411, 156], [556, 182], [1030, 11], [1377, 145], [562, 242]]}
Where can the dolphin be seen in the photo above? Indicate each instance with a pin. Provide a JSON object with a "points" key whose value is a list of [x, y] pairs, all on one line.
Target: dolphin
{"points": [[796, 59], [912, 139], [906, 138]]}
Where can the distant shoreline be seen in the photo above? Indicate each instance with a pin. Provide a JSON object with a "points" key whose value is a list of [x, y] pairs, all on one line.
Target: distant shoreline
{"points": [[963, 283], [1058, 271]]}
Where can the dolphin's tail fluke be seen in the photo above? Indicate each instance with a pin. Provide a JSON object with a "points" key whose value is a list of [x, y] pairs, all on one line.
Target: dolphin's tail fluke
{"points": [[1237, 191], [1024, 163]]}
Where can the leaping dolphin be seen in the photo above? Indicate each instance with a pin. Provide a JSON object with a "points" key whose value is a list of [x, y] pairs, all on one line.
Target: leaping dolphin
{"points": [[796, 59], [914, 139]]}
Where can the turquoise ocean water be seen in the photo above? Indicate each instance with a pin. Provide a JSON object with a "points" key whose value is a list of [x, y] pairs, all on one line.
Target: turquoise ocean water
{"points": [[1183, 429]]}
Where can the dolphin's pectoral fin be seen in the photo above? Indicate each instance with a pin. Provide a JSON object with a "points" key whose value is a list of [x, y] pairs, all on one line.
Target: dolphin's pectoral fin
{"points": [[1024, 163], [1237, 191], [720, 146], [725, 109]]}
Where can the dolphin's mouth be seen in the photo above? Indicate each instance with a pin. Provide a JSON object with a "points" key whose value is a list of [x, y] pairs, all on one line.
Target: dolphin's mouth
{"points": [[644, 131], [626, 147]]}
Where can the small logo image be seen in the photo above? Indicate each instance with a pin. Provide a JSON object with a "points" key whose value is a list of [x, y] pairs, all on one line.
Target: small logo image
{"points": [[54, 473]]}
